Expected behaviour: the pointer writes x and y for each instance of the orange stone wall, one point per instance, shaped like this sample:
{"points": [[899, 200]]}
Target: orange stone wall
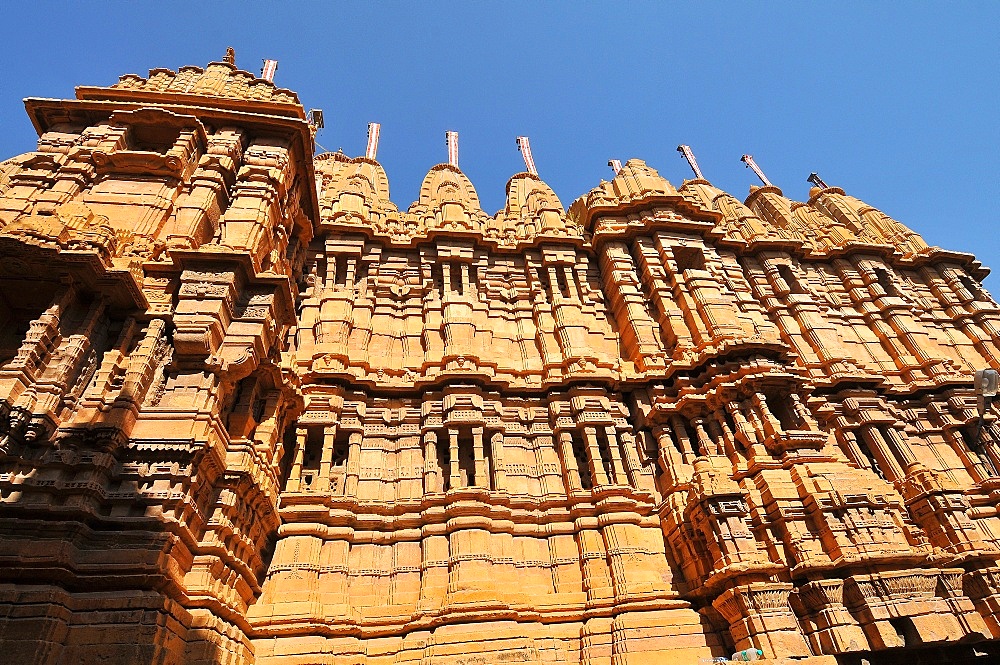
{"points": [[253, 413]]}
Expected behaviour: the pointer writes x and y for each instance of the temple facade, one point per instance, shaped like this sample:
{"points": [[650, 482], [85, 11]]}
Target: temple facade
{"points": [[253, 413]]}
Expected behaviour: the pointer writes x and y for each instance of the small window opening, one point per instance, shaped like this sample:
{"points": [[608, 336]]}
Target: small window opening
{"points": [[341, 270], [604, 446], [790, 279], [689, 258], [466, 459], [338, 462], [341, 446], [488, 454], [361, 273], [580, 453], [543, 280], [311, 455], [438, 272], [457, 284], [885, 281], [152, 138], [972, 286], [780, 407], [563, 283], [287, 454], [473, 279], [444, 462], [873, 464]]}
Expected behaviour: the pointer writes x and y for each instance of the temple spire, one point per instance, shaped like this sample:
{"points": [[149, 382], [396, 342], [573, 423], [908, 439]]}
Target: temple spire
{"points": [[752, 165], [372, 149], [451, 139], [525, 147], [685, 151]]}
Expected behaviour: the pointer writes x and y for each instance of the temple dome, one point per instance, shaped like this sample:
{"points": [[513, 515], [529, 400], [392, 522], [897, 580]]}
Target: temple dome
{"points": [[448, 199], [532, 208]]}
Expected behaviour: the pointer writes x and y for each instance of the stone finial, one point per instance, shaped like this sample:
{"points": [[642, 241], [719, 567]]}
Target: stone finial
{"points": [[230, 57]]}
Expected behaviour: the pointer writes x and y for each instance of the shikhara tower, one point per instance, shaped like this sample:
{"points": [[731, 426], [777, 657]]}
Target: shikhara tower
{"points": [[254, 413]]}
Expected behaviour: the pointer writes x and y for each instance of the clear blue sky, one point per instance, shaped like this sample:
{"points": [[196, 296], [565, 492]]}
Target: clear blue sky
{"points": [[895, 102]]}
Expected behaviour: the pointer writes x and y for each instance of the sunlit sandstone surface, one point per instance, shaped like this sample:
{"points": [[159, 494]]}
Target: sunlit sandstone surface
{"points": [[252, 412]]}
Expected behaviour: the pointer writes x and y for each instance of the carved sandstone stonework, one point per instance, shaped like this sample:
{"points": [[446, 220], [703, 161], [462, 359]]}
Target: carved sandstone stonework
{"points": [[251, 412]]}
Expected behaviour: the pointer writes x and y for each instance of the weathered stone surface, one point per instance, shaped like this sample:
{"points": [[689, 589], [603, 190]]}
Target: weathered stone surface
{"points": [[251, 412]]}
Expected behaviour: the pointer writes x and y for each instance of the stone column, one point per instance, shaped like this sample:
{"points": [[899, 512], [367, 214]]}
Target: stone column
{"points": [[633, 465], [482, 478], [901, 447], [597, 471], [326, 461], [454, 474], [668, 457], [499, 472], [849, 441], [353, 465], [431, 464], [295, 476], [878, 446], [680, 431], [570, 467], [616, 456]]}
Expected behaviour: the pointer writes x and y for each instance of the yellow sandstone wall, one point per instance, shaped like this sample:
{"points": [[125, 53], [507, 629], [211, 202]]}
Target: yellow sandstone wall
{"points": [[251, 412]]}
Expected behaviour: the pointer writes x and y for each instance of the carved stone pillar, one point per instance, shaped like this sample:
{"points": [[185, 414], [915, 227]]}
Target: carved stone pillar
{"points": [[432, 480], [621, 478], [760, 617], [499, 472], [831, 628], [571, 470], [597, 471], [454, 473], [671, 463], [326, 461], [680, 431], [353, 465], [900, 446], [481, 473], [295, 477], [879, 447]]}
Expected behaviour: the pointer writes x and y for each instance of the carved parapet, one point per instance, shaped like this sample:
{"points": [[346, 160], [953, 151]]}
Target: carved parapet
{"points": [[982, 586], [903, 608], [203, 313], [830, 628], [113, 401], [941, 509], [785, 441], [249, 336], [760, 616]]}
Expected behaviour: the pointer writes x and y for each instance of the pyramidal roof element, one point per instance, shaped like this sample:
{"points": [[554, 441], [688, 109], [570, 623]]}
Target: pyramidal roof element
{"points": [[220, 81]]}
